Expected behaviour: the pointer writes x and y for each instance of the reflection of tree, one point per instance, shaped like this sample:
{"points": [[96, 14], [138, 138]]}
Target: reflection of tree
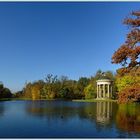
{"points": [[1, 109], [60, 109], [50, 109], [128, 117], [68, 110]]}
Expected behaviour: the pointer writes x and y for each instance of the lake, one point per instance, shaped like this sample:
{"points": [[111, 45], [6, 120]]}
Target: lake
{"points": [[66, 119]]}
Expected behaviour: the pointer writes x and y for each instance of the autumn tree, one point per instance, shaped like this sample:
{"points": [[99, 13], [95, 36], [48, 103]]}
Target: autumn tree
{"points": [[128, 55], [49, 88], [130, 94]]}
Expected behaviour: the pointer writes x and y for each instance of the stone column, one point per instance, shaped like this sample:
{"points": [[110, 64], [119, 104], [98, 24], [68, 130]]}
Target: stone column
{"points": [[111, 92], [108, 91], [97, 91], [103, 90]]}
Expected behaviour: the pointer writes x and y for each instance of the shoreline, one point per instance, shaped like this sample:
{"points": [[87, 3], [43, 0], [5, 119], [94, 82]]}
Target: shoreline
{"points": [[74, 100], [14, 99], [94, 100]]}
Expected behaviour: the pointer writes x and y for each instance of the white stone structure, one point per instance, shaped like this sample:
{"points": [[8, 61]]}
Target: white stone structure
{"points": [[104, 88]]}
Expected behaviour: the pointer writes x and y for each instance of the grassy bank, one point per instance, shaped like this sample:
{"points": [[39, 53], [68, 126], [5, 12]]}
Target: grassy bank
{"points": [[95, 100]]}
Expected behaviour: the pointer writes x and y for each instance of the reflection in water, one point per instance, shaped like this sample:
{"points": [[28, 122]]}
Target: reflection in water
{"points": [[100, 112], [2, 109], [104, 112], [73, 119], [60, 110], [128, 117], [69, 119], [48, 110]]}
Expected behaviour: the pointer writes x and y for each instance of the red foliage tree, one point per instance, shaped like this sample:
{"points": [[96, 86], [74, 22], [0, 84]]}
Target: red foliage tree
{"points": [[130, 94], [128, 55]]}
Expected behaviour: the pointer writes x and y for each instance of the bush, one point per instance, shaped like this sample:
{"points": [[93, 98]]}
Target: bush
{"points": [[129, 94]]}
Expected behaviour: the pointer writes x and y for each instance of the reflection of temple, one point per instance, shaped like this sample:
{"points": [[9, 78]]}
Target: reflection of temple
{"points": [[103, 111]]}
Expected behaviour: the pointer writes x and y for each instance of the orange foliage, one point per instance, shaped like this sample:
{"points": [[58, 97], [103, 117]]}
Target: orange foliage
{"points": [[129, 94], [127, 55]]}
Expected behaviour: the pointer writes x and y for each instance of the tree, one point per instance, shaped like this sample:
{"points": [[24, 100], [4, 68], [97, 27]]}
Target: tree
{"points": [[107, 74], [18, 94], [49, 88], [98, 74], [51, 79], [4, 92], [128, 55], [90, 92], [81, 84], [125, 81], [64, 92], [27, 90], [33, 90], [130, 94]]}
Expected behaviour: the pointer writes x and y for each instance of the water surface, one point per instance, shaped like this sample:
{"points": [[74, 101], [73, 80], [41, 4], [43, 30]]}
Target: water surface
{"points": [[66, 119]]}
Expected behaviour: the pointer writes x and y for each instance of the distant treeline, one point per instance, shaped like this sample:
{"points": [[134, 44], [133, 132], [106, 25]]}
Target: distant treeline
{"points": [[54, 87]]}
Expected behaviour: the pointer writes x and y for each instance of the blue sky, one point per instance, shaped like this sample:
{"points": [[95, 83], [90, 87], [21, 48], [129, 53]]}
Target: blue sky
{"points": [[73, 39]]}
